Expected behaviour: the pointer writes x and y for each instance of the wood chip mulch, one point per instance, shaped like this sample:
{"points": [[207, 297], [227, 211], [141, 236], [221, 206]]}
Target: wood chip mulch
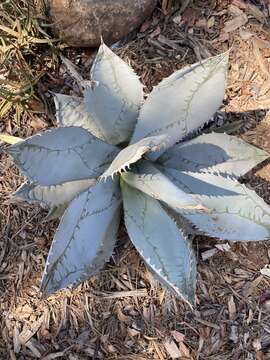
{"points": [[123, 313]]}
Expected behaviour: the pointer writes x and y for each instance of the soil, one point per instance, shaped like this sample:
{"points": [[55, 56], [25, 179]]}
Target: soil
{"points": [[123, 313]]}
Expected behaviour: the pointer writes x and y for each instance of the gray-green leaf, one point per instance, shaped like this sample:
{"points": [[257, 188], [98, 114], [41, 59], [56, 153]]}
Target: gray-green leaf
{"points": [[155, 184], [214, 153], [238, 213], [54, 195], [192, 184], [133, 153], [85, 238], [62, 155], [183, 102], [115, 100], [71, 111], [162, 245]]}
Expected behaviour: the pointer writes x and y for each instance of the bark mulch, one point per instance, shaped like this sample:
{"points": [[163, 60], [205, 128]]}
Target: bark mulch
{"points": [[123, 313]]}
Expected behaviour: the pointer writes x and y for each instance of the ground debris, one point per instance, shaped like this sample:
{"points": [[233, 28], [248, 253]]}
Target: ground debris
{"points": [[122, 313]]}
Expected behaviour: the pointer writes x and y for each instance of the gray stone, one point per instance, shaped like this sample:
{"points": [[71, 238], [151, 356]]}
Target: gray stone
{"points": [[81, 23]]}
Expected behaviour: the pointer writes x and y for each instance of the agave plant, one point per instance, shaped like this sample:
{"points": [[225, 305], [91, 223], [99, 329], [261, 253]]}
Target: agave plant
{"points": [[113, 146]]}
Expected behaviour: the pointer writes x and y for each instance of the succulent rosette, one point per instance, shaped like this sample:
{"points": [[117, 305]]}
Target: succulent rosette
{"points": [[116, 152]]}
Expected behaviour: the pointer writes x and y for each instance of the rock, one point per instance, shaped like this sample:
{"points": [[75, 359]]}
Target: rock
{"points": [[81, 23]]}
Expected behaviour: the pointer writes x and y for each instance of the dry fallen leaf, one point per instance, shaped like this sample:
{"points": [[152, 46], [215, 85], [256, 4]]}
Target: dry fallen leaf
{"points": [[172, 349], [16, 340], [38, 124], [23, 312], [264, 172], [29, 331], [257, 344], [256, 12], [265, 270], [133, 332], [209, 253], [179, 337], [211, 22], [245, 35], [177, 19], [235, 10], [184, 350], [234, 24], [223, 247], [231, 308]]}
